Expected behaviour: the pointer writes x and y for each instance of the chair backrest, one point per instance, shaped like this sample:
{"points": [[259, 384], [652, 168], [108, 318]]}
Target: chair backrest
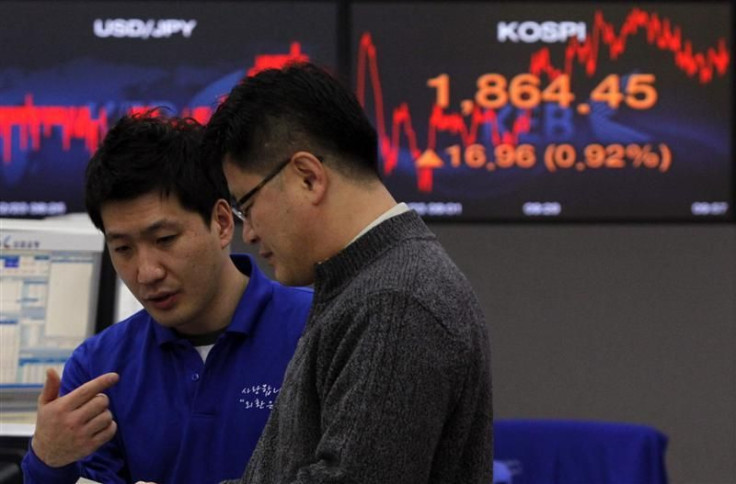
{"points": [[569, 451]]}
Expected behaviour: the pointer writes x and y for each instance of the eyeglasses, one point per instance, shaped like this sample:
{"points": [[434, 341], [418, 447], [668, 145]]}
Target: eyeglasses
{"points": [[237, 205]]}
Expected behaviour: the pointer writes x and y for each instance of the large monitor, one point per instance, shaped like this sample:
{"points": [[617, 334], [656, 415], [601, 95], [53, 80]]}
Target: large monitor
{"points": [[50, 272], [574, 111], [70, 69], [486, 111]]}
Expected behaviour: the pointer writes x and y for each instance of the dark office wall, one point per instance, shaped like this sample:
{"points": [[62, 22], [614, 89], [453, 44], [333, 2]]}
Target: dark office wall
{"points": [[616, 323]]}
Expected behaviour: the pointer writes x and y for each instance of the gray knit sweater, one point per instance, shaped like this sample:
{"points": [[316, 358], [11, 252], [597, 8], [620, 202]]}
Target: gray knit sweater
{"points": [[390, 383]]}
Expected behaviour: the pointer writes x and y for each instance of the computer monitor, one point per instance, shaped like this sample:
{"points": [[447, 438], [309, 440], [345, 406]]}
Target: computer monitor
{"points": [[50, 274], [70, 69], [551, 111]]}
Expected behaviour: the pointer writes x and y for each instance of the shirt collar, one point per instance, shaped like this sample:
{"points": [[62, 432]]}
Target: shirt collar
{"points": [[337, 271], [256, 296], [397, 209]]}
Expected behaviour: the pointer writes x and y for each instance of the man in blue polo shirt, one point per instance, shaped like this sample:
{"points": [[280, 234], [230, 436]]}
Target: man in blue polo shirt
{"points": [[180, 391]]}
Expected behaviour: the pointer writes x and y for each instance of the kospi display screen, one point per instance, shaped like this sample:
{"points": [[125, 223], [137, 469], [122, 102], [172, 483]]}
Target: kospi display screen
{"points": [[69, 70], [577, 111]]}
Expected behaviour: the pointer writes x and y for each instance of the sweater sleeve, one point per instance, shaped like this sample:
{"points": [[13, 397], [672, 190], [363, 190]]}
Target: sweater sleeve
{"points": [[104, 465], [391, 377]]}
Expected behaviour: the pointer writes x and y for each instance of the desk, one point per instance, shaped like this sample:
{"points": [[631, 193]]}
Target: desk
{"points": [[17, 424], [580, 452]]}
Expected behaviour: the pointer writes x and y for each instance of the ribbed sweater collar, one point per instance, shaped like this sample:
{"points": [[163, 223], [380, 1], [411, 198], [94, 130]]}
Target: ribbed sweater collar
{"points": [[334, 273]]}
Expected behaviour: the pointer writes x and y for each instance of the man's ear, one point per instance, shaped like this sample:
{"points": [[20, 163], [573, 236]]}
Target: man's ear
{"points": [[312, 174], [222, 222]]}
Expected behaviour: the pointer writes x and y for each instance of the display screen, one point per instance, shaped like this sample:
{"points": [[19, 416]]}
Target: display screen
{"points": [[50, 272], [508, 111], [577, 111], [69, 70]]}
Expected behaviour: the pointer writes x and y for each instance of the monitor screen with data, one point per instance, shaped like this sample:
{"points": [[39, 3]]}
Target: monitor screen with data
{"points": [[574, 111], [70, 69], [50, 272]]}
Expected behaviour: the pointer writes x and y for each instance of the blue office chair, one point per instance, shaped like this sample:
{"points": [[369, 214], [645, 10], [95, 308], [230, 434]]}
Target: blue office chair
{"points": [[580, 452]]}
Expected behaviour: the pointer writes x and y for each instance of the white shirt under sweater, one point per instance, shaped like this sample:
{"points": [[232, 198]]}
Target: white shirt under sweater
{"points": [[397, 209]]}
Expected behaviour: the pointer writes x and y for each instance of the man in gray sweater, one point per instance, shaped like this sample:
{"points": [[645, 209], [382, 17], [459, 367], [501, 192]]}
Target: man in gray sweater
{"points": [[390, 382]]}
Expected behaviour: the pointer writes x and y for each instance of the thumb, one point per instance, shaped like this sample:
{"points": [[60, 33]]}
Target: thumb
{"points": [[50, 390]]}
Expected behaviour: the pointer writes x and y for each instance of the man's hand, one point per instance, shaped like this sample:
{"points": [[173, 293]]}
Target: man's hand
{"points": [[71, 427]]}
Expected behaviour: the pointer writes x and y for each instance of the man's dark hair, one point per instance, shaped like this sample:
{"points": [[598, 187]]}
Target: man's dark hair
{"points": [[152, 152], [268, 117]]}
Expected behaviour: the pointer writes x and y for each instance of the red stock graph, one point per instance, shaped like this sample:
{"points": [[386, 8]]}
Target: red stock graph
{"points": [[661, 33], [89, 125], [70, 70], [398, 129]]}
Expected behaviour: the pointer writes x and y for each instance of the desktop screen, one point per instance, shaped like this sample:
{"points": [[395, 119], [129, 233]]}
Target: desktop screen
{"points": [[70, 69], [486, 111], [50, 271], [570, 111]]}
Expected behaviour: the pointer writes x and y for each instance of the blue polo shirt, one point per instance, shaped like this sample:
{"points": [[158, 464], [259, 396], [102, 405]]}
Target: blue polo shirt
{"points": [[180, 419]]}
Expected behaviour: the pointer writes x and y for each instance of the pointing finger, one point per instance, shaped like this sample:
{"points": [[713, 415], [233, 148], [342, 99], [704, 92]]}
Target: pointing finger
{"points": [[89, 390]]}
